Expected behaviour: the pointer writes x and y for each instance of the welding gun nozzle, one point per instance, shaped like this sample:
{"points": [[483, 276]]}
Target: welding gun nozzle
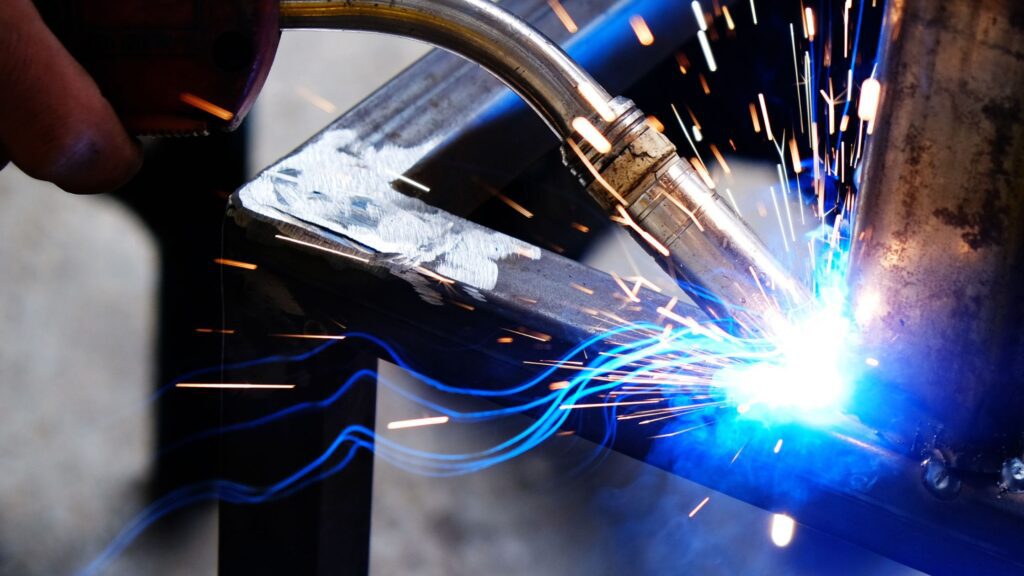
{"points": [[692, 231]]}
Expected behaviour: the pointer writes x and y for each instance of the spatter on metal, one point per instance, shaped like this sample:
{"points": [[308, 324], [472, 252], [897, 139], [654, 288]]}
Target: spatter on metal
{"points": [[338, 184]]}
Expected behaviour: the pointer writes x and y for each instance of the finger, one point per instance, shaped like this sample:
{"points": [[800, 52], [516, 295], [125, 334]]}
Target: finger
{"points": [[54, 122]]}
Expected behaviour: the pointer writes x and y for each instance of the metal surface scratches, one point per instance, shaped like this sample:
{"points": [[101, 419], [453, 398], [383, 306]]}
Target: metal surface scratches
{"points": [[338, 184]]}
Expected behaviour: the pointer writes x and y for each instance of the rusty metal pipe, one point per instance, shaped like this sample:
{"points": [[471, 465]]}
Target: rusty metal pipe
{"points": [[938, 255]]}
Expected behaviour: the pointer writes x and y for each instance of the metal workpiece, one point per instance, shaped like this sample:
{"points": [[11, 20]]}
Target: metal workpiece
{"points": [[686, 226], [938, 246], [520, 56]]}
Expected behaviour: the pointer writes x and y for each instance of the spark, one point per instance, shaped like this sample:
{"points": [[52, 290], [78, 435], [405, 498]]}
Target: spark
{"points": [[234, 385], [704, 86], [581, 227], [628, 221], [698, 12], [504, 340], [699, 506], [794, 153], [411, 182], [784, 187], [309, 336], [753, 12], [778, 446], [512, 204], [732, 200], [593, 172], [591, 134], [597, 101], [778, 213], [728, 18], [539, 336], [702, 171], [642, 31], [764, 111], [319, 247], [654, 123], [607, 404], [234, 263], [678, 204], [215, 331], [433, 275], [316, 99], [736, 456], [630, 295], [753, 118], [867, 107], [809, 23], [678, 432], [417, 422], [705, 47], [206, 106], [796, 74], [873, 362], [563, 16], [683, 62], [582, 288], [721, 161]]}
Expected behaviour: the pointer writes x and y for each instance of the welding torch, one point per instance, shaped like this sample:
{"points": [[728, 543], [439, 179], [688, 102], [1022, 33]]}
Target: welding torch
{"points": [[173, 68]]}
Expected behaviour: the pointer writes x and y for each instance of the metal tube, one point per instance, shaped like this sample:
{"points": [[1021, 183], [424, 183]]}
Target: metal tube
{"points": [[523, 58]]}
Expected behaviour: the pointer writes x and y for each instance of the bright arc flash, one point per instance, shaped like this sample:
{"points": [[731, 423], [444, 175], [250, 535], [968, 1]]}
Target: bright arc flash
{"points": [[783, 528]]}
